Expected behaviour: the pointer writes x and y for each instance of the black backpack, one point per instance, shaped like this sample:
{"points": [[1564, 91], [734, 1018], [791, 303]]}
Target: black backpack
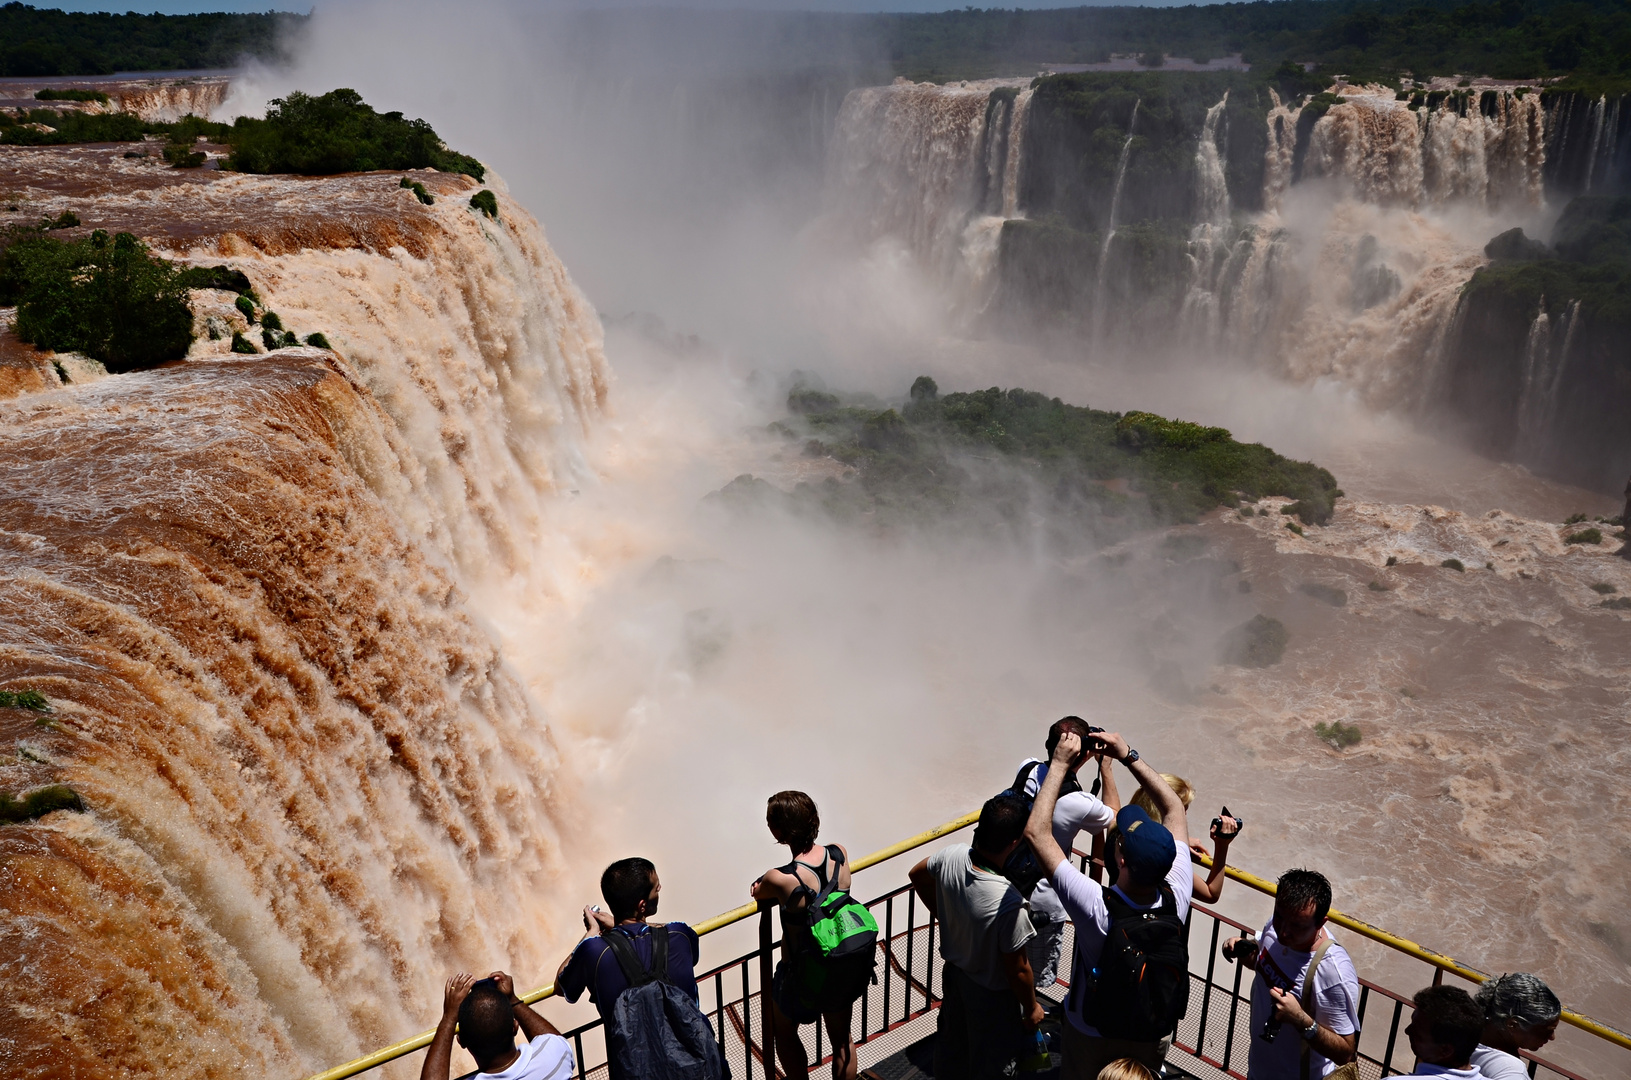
{"points": [[657, 1032], [1140, 988], [1022, 870]]}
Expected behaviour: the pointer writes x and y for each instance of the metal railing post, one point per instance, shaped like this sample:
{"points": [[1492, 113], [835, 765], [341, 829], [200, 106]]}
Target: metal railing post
{"points": [[767, 1032]]}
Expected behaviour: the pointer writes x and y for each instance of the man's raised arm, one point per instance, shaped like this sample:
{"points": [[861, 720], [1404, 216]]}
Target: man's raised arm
{"points": [[1039, 829], [1173, 815]]}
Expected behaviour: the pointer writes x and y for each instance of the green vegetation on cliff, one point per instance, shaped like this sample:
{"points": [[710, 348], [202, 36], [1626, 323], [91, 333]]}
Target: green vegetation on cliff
{"points": [[1008, 456], [337, 132], [1590, 261], [106, 298]]}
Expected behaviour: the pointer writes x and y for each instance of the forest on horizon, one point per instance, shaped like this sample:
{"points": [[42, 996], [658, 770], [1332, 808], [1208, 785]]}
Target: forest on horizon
{"points": [[1518, 39]]}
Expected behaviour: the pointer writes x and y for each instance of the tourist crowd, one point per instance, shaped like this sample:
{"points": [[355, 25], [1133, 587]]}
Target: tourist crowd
{"points": [[1002, 903]]}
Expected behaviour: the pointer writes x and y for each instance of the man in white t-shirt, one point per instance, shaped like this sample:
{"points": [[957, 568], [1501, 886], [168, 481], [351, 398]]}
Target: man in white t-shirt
{"points": [[1150, 878], [1076, 812], [1443, 1033], [1281, 959], [488, 1013], [988, 998]]}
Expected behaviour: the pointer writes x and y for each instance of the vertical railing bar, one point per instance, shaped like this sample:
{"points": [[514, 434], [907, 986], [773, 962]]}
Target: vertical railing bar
{"points": [[719, 1005], [911, 932], [747, 1017], [766, 1030], [818, 1026], [1392, 1037], [889, 956], [1206, 994], [928, 973], [577, 1044], [1234, 1012]]}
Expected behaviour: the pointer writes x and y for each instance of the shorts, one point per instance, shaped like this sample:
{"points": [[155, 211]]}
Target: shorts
{"points": [[822, 987], [1044, 951]]}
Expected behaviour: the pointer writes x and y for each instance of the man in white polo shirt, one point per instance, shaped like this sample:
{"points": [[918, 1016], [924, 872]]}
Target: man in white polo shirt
{"points": [[1146, 910]]}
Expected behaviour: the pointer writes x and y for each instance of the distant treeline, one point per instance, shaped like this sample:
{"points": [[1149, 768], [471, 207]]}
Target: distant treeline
{"points": [[1517, 39], [1520, 39], [36, 42]]}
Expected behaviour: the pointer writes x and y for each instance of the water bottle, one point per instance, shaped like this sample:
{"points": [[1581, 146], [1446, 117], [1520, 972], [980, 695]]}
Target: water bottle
{"points": [[1036, 1059]]}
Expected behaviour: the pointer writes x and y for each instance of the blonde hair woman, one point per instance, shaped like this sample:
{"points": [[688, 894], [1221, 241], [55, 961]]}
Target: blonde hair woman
{"points": [[1209, 888], [1126, 1069]]}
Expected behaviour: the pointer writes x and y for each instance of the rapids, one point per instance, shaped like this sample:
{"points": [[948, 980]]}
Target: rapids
{"points": [[313, 780]]}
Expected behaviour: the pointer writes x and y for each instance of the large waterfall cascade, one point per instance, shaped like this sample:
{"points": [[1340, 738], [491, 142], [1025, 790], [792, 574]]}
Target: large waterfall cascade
{"points": [[314, 784], [1362, 290]]}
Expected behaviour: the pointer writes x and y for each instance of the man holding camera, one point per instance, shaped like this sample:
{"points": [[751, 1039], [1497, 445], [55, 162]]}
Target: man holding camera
{"points": [[1076, 811], [1130, 975], [1290, 1020]]}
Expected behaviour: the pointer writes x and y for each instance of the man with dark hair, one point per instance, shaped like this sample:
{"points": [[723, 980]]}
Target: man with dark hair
{"points": [[1077, 811], [1444, 1032], [988, 997], [630, 888], [1326, 1018], [488, 1013], [1112, 1014]]}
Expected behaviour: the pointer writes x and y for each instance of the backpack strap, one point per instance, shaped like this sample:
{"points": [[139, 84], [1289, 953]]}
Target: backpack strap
{"points": [[634, 972], [1308, 1001], [1071, 784]]}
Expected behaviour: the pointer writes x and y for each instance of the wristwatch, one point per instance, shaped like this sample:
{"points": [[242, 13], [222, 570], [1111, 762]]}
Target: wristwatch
{"points": [[1132, 756], [1311, 1030]]}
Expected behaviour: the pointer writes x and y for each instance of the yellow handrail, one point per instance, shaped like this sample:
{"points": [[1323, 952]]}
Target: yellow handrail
{"points": [[1252, 881], [1421, 952], [707, 926]]}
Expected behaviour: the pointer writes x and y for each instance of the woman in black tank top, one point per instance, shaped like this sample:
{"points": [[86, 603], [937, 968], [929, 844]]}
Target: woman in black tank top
{"points": [[794, 821]]}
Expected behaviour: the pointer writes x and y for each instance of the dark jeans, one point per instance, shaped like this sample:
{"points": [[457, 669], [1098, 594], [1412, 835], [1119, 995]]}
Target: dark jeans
{"points": [[981, 1031]]}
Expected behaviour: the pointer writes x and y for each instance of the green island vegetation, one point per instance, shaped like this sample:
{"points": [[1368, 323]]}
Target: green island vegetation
{"points": [[1005, 460], [1454, 564], [106, 297], [1259, 642], [486, 202], [1377, 586], [1603, 588], [418, 190], [337, 132], [32, 700], [1339, 735], [37, 803], [318, 341], [43, 42], [71, 94], [1617, 603], [1584, 536], [310, 135]]}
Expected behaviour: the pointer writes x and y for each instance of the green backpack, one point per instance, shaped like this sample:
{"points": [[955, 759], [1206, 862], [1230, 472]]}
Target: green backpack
{"points": [[833, 960]]}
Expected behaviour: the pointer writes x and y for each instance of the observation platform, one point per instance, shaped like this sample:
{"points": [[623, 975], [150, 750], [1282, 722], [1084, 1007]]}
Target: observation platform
{"points": [[895, 1020]]}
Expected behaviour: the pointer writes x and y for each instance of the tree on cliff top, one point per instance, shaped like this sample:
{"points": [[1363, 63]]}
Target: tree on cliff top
{"points": [[337, 132]]}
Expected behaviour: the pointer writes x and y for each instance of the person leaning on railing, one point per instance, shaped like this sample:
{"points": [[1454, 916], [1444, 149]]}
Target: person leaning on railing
{"points": [[805, 989], [1113, 1012], [1520, 1013], [1321, 1023], [1225, 827]]}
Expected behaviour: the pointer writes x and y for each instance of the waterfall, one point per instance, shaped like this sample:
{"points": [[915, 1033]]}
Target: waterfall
{"points": [[1543, 371], [1212, 186], [314, 786], [1281, 151], [1019, 118], [1598, 110], [1110, 221]]}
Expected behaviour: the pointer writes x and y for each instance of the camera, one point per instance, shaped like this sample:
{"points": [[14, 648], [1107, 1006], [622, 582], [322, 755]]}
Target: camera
{"points": [[1217, 825], [1245, 946]]}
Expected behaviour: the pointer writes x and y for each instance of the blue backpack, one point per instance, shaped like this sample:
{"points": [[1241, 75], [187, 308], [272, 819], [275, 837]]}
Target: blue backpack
{"points": [[657, 1032]]}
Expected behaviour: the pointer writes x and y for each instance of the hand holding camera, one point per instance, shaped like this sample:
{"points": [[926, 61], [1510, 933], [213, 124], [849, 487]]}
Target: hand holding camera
{"points": [[1226, 827], [1243, 948]]}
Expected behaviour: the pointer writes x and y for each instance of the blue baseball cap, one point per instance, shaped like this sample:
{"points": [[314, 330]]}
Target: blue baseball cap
{"points": [[1146, 845]]}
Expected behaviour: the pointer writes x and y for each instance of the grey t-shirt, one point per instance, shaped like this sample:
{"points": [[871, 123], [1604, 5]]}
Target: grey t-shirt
{"points": [[982, 917]]}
